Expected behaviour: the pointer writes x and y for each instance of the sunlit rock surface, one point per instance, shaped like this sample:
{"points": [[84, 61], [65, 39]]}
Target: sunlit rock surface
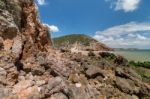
{"points": [[31, 69]]}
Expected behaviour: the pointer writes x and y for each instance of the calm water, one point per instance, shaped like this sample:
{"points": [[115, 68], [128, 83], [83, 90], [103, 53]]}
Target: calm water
{"points": [[143, 55]]}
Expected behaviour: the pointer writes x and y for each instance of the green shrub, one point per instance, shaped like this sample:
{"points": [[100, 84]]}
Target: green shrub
{"points": [[107, 55], [145, 64]]}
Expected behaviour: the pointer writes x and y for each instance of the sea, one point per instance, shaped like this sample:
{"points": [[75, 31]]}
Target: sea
{"points": [[135, 55]]}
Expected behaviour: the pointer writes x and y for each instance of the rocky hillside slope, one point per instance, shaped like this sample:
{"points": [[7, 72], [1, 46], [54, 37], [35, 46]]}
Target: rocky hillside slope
{"points": [[30, 69], [86, 42]]}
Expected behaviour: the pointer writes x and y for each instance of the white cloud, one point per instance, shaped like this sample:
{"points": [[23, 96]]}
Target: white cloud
{"points": [[41, 2], [126, 29], [129, 35], [126, 5], [141, 37], [52, 28]]}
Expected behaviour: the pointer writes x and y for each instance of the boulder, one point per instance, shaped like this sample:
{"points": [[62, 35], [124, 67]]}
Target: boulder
{"points": [[58, 96], [52, 83], [4, 92], [3, 74], [120, 60], [29, 93], [125, 85], [22, 85], [93, 72]]}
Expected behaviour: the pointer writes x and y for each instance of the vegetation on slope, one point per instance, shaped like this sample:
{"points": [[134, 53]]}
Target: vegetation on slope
{"points": [[84, 42], [145, 64], [73, 38], [142, 68]]}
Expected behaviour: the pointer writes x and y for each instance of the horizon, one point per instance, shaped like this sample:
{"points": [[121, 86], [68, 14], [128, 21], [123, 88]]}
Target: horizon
{"points": [[116, 23]]}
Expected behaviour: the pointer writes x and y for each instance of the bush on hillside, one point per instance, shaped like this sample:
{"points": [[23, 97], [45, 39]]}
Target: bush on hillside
{"points": [[145, 64], [107, 55]]}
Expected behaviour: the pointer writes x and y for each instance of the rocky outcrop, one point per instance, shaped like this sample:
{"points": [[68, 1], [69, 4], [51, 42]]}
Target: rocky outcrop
{"points": [[30, 69], [21, 32]]}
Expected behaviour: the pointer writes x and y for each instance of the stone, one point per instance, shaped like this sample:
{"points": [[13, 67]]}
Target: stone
{"points": [[58, 96], [3, 75], [4, 92], [40, 82], [134, 97], [12, 76], [8, 44], [93, 72], [38, 70], [29, 93], [124, 85], [120, 60], [52, 83], [22, 85], [30, 68], [82, 93], [17, 46], [91, 53], [126, 73]]}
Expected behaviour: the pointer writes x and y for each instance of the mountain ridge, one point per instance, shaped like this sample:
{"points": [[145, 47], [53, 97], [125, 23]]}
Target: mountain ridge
{"points": [[83, 40]]}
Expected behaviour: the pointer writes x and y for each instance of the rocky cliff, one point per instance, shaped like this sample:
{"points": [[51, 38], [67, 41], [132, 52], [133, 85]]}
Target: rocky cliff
{"points": [[20, 29], [30, 69]]}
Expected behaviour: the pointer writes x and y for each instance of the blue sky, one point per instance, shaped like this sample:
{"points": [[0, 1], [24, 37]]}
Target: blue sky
{"points": [[117, 23]]}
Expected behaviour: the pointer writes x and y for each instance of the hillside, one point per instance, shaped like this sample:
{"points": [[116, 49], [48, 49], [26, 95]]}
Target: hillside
{"points": [[31, 69], [83, 40], [73, 38]]}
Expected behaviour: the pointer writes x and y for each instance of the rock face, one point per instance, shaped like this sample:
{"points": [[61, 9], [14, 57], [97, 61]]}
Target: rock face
{"points": [[30, 69], [20, 29]]}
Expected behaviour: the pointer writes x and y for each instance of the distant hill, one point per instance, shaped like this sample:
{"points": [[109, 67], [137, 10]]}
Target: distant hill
{"points": [[78, 38]]}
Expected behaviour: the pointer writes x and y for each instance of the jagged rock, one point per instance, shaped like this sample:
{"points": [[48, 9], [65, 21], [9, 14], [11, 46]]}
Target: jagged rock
{"points": [[31, 69], [121, 61], [17, 46], [144, 91], [54, 82], [41, 58], [83, 93], [19, 25], [134, 97], [3, 74], [126, 73], [22, 85], [58, 96], [126, 85], [104, 64], [40, 82], [29, 93], [93, 72], [12, 76], [4, 92], [38, 70], [91, 53]]}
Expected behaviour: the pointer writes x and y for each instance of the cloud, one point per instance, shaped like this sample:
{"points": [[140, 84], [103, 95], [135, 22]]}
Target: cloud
{"points": [[129, 35], [41, 2], [126, 28], [52, 28], [125, 5]]}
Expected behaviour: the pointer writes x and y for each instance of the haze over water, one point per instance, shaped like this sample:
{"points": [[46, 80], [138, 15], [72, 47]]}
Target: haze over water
{"points": [[136, 55]]}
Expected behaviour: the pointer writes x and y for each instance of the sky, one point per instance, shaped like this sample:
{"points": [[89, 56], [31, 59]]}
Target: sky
{"points": [[117, 23]]}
